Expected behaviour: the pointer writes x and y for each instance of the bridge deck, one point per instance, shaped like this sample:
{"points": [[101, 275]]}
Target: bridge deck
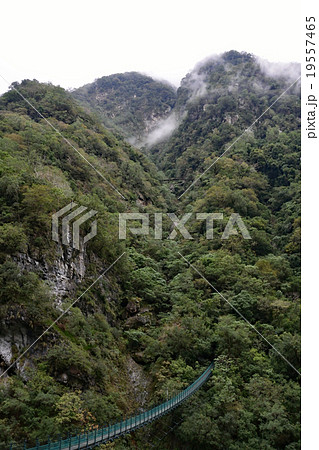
{"points": [[100, 435]]}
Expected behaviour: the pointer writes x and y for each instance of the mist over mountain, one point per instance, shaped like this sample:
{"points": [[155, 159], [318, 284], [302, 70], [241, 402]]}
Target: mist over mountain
{"points": [[130, 103], [218, 100], [147, 112], [151, 324]]}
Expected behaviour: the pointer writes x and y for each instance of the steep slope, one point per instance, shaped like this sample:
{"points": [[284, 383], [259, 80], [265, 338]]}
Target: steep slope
{"points": [[217, 101], [129, 103], [259, 178], [152, 324], [215, 104], [82, 360]]}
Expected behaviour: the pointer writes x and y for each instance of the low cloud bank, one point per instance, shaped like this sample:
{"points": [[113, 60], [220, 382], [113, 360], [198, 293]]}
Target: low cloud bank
{"points": [[196, 82], [163, 130], [198, 85], [289, 71]]}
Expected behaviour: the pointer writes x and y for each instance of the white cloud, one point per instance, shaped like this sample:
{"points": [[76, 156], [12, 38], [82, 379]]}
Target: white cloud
{"points": [[163, 130], [289, 71]]}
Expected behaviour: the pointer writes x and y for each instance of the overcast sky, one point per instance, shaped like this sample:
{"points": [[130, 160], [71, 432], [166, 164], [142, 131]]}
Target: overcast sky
{"points": [[74, 42]]}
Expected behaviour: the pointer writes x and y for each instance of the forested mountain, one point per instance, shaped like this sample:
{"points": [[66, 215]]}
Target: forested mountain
{"points": [[152, 324], [217, 101], [129, 103]]}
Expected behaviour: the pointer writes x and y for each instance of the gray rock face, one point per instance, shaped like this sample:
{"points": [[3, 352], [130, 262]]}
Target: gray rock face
{"points": [[5, 350], [13, 341], [62, 275], [141, 319], [139, 383], [133, 306]]}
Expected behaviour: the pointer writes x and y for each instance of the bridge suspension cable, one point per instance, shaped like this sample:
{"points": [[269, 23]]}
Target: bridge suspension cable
{"points": [[99, 435]]}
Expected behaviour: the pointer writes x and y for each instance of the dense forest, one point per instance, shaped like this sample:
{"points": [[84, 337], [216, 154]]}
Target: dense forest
{"points": [[152, 324], [130, 104]]}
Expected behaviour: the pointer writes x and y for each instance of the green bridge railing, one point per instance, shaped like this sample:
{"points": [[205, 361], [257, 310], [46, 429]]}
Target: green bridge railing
{"points": [[99, 435]]}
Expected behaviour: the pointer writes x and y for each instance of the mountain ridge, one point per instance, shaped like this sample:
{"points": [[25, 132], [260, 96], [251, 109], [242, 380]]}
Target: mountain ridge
{"points": [[129, 103], [158, 124], [151, 325]]}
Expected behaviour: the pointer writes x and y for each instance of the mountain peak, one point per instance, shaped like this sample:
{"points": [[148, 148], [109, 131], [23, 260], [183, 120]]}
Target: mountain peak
{"points": [[130, 103]]}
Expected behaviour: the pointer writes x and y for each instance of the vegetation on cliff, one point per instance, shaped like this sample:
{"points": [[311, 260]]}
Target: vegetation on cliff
{"points": [[151, 306]]}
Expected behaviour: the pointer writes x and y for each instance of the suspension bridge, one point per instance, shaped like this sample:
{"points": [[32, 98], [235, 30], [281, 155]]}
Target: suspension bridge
{"points": [[102, 434]]}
